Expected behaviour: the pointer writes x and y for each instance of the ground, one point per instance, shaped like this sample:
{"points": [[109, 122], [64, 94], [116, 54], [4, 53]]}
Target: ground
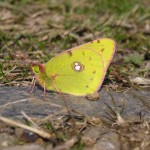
{"points": [[35, 31]]}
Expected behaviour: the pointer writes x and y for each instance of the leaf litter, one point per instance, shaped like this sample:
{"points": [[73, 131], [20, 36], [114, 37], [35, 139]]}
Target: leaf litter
{"points": [[33, 30]]}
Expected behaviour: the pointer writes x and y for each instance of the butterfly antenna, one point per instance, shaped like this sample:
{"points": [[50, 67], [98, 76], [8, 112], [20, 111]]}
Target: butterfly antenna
{"points": [[44, 89]]}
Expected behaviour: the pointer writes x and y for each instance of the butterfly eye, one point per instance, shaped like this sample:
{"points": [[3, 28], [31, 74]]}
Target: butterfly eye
{"points": [[35, 69], [77, 66]]}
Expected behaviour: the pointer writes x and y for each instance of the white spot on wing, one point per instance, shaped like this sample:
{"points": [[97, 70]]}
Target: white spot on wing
{"points": [[77, 66]]}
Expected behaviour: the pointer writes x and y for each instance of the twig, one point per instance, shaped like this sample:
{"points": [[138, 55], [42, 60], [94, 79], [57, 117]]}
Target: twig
{"points": [[37, 131]]}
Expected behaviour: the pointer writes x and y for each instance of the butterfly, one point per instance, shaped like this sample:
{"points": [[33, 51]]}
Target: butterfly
{"points": [[79, 70]]}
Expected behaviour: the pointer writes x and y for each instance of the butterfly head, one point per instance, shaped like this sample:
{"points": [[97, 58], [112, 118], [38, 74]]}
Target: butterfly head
{"points": [[40, 75], [38, 68]]}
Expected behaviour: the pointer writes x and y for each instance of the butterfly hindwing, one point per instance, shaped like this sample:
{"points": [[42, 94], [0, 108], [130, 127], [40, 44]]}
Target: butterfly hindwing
{"points": [[76, 72]]}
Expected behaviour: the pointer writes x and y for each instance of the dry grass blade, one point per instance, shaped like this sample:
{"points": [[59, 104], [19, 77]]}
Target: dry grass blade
{"points": [[140, 81], [12, 7], [29, 119], [8, 72], [39, 132], [115, 116], [10, 103], [67, 145], [143, 99]]}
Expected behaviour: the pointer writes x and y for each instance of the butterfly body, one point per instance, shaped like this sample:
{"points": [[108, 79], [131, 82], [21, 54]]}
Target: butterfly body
{"points": [[78, 71]]}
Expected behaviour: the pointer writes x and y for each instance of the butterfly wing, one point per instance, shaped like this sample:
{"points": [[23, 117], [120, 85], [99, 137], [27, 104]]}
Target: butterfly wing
{"points": [[78, 71], [105, 47]]}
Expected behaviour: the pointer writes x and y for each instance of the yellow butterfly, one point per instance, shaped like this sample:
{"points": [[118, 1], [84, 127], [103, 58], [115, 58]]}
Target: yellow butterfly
{"points": [[77, 71]]}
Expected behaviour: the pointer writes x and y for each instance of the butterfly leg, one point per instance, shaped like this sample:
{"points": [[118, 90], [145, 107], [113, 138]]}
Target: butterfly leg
{"points": [[44, 90], [32, 85]]}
